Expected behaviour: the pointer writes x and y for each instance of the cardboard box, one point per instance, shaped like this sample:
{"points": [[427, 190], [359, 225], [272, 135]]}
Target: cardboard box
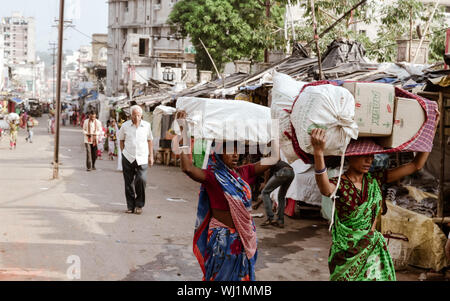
{"points": [[409, 117], [374, 112]]}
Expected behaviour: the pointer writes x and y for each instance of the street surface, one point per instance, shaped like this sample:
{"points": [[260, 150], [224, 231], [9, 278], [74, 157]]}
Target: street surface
{"points": [[44, 222]]}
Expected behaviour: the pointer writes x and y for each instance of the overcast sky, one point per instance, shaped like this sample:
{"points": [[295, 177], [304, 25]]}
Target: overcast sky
{"points": [[90, 16]]}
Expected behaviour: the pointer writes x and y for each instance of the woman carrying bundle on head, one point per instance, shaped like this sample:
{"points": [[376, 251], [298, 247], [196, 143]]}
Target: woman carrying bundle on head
{"points": [[225, 234], [358, 251]]}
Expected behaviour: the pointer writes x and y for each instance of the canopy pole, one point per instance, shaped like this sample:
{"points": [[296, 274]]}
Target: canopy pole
{"points": [[425, 32], [316, 38]]}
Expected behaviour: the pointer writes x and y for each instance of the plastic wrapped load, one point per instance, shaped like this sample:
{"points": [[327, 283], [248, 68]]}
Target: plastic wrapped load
{"points": [[329, 107], [12, 117], [227, 120]]}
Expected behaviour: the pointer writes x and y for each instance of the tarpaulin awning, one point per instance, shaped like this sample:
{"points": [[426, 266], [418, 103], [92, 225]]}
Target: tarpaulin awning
{"points": [[17, 100]]}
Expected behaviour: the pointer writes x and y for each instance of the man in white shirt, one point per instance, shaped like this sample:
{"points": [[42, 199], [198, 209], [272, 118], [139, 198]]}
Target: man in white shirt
{"points": [[91, 130], [136, 144]]}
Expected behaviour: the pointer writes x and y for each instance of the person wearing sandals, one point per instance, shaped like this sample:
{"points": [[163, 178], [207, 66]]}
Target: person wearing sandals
{"points": [[136, 144], [280, 175]]}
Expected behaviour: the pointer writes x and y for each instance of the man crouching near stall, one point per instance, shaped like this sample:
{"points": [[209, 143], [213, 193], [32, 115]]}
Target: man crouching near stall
{"points": [[358, 251], [225, 235]]}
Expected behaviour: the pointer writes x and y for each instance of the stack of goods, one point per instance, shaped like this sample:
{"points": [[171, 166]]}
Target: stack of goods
{"points": [[360, 118]]}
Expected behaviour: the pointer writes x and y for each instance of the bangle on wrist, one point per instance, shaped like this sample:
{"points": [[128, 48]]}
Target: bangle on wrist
{"points": [[322, 171]]}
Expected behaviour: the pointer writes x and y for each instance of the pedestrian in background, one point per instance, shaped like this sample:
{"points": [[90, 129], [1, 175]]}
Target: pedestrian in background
{"points": [[136, 144], [280, 175], [101, 143], [30, 126], [112, 139], [13, 135], [91, 131]]}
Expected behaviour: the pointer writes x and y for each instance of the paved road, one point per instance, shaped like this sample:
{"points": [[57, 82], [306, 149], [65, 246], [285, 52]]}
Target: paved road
{"points": [[44, 222]]}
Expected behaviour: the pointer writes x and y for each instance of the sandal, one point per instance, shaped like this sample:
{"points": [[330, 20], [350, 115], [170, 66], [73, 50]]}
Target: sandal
{"points": [[138, 210], [267, 222], [129, 211], [278, 224]]}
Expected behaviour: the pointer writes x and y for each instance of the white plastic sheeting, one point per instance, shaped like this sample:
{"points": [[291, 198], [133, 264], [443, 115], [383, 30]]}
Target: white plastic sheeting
{"points": [[158, 112], [228, 120]]}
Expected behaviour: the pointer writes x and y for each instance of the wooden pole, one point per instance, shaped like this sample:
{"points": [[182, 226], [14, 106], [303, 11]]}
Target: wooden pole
{"points": [[58, 88], [440, 205], [266, 51], [425, 32], [212, 61], [316, 38], [337, 21], [410, 34]]}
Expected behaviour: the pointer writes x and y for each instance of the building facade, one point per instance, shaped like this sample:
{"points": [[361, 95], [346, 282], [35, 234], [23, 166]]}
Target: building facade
{"points": [[142, 46], [19, 39]]}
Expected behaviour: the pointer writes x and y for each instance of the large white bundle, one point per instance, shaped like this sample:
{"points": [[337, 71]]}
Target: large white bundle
{"points": [[329, 107], [12, 117], [285, 90], [231, 120]]}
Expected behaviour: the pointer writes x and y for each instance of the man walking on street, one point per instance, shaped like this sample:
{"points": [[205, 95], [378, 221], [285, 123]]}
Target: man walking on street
{"points": [[91, 130], [281, 175], [136, 144]]}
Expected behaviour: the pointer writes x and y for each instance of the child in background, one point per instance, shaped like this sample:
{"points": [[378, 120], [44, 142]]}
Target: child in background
{"points": [[101, 144]]}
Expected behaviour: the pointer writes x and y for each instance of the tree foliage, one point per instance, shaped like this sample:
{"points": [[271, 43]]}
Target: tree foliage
{"points": [[230, 29], [394, 23]]}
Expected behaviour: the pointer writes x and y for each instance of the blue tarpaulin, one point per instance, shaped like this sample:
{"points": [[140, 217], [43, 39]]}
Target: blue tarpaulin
{"points": [[250, 88], [17, 100]]}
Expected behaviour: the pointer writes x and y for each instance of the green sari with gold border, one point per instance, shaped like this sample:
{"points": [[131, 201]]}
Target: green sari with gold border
{"points": [[358, 253]]}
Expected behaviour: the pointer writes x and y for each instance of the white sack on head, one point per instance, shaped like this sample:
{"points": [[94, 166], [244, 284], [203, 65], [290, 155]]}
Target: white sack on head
{"points": [[329, 107], [223, 119], [285, 90]]}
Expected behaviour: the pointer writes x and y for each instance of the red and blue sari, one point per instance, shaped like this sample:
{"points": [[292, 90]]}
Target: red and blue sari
{"points": [[226, 254]]}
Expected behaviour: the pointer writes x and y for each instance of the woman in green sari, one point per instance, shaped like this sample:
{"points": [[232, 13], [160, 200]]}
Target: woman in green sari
{"points": [[358, 252]]}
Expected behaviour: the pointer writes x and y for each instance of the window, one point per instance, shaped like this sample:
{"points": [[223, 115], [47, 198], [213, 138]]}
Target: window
{"points": [[143, 47], [364, 32], [447, 9], [126, 6]]}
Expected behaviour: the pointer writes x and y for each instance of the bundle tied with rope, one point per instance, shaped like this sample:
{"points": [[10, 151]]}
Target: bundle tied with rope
{"points": [[326, 105]]}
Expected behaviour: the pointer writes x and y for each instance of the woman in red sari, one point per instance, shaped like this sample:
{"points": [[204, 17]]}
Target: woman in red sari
{"points": [[225, 234]]}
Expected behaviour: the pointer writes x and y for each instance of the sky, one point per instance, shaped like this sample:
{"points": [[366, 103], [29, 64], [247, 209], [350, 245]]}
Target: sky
{"points": [[89, 16]]}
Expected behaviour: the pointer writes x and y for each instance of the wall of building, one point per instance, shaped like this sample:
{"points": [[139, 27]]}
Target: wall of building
{"points": [[138, 35], [19, 38]]}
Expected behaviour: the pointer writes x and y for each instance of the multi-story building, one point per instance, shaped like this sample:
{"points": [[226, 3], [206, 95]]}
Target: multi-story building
{"points": [[2, 63], [142, 46], [19, 38]]}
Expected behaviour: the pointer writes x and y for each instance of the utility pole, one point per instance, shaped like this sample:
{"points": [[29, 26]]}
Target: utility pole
{"points": [[58, 88], [53, 49]]}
